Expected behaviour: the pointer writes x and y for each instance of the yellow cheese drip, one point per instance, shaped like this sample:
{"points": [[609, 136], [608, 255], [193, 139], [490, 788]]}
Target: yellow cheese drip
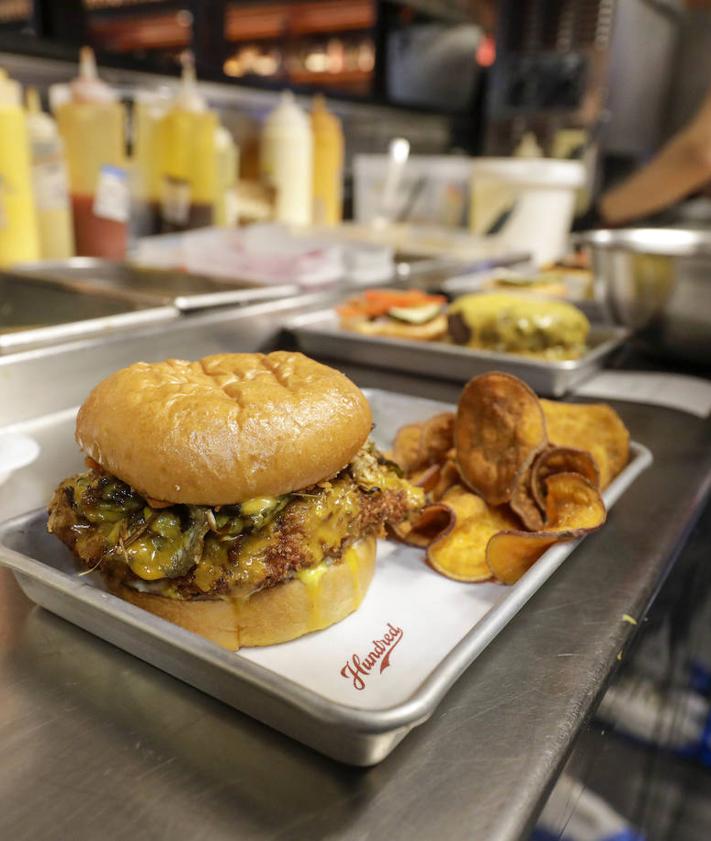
{"points": [[311, 579], [350, 557]]}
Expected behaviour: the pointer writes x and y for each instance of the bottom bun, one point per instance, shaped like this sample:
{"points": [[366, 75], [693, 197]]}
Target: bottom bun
{"points": [[317, 599]]}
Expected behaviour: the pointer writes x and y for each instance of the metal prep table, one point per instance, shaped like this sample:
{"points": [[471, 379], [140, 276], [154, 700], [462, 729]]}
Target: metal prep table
{"points": [[96, 744]]}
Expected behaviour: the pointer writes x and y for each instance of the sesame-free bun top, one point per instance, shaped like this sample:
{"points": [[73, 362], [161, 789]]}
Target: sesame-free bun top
{"points": [[224, 429]]}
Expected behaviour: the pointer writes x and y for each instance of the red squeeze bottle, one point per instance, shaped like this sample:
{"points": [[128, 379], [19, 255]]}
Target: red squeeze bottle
{"points": [[92, 124]]}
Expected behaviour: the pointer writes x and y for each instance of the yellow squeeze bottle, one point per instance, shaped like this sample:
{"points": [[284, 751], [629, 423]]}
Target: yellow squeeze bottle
{"points": [[18, 226], [327, 165], [149, 109], [92, 124], [49, 182], [189, 158], [227, 159]]}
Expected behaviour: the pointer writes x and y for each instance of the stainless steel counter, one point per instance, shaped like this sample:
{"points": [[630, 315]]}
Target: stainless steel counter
{"points": [[99, 745]]}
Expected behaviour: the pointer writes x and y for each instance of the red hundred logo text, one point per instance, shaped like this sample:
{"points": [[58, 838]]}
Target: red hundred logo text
{"points": [[358, 669]]}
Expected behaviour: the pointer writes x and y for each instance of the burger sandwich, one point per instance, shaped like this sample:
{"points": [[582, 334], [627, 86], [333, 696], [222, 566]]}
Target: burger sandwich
{"points": [[396, 314], [237, 496], [521, 324]]}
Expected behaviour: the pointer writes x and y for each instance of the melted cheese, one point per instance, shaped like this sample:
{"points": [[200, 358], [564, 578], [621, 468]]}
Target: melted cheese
{"points": [[350, 557], [257, 505], [311, 579]]}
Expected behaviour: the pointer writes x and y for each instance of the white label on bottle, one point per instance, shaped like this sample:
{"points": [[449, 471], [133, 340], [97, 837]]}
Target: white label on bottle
{"points": [[112, 199], [175, 202], [49, 180]]}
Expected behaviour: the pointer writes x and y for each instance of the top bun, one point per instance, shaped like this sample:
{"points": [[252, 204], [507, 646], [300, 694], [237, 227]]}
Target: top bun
{"points": [[224, 429]]}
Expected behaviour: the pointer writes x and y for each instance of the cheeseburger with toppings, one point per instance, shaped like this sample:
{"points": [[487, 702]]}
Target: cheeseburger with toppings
{"points": [[237, 496]]}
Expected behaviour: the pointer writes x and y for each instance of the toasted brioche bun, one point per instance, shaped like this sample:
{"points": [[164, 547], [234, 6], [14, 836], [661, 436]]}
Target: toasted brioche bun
{"points": [[224, 429], [430, 331], [284, 612]]}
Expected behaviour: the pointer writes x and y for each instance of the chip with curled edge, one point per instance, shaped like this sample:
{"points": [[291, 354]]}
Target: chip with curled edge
{"points": [[523, 475], [498, 431], [459, 551], [593, 427], [574, 508]]}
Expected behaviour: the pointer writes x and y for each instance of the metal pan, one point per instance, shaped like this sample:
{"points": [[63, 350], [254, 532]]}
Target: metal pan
{"points": [[34, 313], [320, 334], [153, 286], [359, 730]]}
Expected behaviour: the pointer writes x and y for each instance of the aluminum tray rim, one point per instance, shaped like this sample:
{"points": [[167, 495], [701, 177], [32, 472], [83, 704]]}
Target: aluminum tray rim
{"points": [[408, 714], [234, 292], [87, 328], [616, 336]]}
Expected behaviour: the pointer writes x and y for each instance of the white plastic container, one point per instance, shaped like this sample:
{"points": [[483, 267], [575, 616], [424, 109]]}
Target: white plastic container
{"points": [[286, 161], [526, 204]]}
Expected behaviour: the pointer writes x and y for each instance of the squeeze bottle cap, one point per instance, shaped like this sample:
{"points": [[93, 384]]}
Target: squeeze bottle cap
{"points": [[287, 112], [88, 87], [189, 97], [42, 127], [321, 117]]}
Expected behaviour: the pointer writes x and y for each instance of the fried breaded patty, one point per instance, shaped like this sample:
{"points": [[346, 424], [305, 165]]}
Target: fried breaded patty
{"points": [[188, 551]]}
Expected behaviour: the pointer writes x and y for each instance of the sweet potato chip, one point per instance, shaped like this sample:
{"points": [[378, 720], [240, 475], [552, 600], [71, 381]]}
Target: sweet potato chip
{"points": [[420, 445], [448, 476], [436, 438], [460, 551], [560, 460], [498, 430], [524, 503], [573, 508], [406, 447], [573, 503], [595, 427], [429, 524], [427, 478], [511, 553]]}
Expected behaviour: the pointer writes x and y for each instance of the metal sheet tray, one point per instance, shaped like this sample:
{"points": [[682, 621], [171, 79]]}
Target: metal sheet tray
{"points": [[351, 726], [153, 286], [320, 334], [35, 313]]}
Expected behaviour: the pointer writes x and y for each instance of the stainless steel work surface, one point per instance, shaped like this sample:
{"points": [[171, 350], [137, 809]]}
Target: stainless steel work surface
{"points": [[299, 687], [155, 286], [320, 334], [98, 744], [35, 313]]}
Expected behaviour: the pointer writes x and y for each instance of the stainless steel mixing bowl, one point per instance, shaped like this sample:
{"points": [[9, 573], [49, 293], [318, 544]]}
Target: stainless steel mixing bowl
{"points": [[658, 282]]}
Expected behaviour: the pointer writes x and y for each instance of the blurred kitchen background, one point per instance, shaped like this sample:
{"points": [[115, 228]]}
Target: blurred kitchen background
{"points": [[604, 81]]}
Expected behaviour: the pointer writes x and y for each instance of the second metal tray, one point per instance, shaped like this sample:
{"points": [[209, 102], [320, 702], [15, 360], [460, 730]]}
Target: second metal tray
{"points": [[434, 627], [36, 313], [153, 286], [320, 334]]}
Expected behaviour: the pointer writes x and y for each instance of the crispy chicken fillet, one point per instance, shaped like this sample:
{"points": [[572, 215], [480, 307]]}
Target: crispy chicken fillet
{"points": [[199, 552]]}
